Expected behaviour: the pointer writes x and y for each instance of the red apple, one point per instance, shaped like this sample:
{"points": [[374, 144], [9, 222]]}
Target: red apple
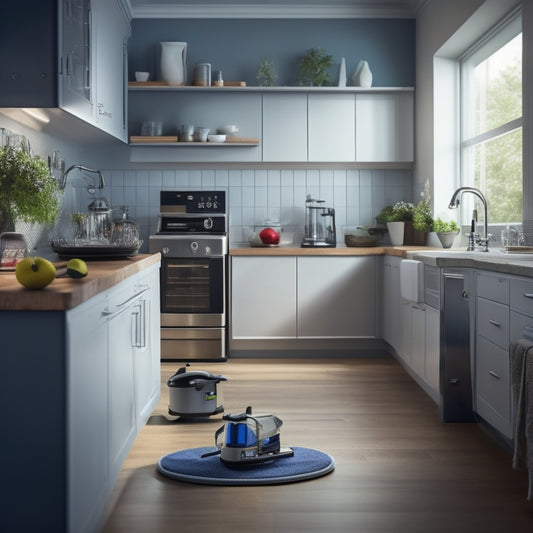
{"points": [[269, 236]]}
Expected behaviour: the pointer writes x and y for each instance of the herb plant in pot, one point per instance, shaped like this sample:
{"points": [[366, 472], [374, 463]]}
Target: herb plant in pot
{"points": [[446, 232], [395, 217], [422, 218], [314, 66], [28, 191]]}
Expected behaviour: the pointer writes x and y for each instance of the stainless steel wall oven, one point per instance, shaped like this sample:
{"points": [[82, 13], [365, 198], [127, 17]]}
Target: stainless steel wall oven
{"points": [[192, 239]]}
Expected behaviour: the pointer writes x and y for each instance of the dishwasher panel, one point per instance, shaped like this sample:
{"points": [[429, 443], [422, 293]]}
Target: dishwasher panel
{"points": [[455, 364]]}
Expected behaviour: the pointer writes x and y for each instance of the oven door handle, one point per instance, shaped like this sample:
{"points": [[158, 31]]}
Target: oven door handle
{"points": [[123, 305]]}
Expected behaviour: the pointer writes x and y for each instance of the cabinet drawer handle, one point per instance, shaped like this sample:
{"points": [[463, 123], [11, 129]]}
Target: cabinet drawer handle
{"points": [[528, 294], [123, 305], [494, 375], [494, 323]]}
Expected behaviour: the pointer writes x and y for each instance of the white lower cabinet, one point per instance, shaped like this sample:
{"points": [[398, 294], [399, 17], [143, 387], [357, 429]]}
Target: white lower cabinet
{"points": [[392, 302], [432, 348], [303, 297], [418, 340], [492, 378], [113, 386], [420, 346], [88, 407], [263, 297], [336, 297]]}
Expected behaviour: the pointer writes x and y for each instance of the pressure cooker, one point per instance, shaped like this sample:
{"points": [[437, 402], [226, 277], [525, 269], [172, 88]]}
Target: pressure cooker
{"points": [[194, 393]]}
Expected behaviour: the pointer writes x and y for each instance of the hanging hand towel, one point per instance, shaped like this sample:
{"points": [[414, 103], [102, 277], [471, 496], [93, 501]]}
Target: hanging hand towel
{"points": [[521, 362]]}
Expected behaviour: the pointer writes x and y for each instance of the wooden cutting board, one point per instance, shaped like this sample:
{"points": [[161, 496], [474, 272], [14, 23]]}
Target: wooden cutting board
{"points": [[154, 139], [231, 139]]}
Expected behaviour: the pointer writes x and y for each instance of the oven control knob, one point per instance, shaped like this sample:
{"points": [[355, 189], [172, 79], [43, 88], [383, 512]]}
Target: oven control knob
{"points": [[194, 246], [208, 223], [165, 250]]}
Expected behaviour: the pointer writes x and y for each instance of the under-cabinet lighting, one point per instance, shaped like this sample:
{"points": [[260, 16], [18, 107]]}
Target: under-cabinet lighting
{"points": [[37, 114]]}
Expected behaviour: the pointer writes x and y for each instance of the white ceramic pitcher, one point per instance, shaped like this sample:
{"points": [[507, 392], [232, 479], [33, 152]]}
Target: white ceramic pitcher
{"points": [[174, 62]]}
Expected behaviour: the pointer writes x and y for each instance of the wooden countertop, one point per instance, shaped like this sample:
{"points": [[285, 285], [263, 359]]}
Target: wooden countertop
{"points": [[399, 251], [64, 292]]}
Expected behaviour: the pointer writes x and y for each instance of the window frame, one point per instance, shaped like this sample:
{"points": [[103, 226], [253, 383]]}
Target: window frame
{"points": [[492, 41]]}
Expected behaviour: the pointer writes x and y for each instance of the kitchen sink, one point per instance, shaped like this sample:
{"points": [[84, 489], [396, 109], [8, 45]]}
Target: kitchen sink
{"points": [[497, 255]]}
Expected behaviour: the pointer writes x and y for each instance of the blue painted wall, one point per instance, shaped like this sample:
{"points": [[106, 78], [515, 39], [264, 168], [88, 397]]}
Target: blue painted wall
{"points": [[237, 46]]}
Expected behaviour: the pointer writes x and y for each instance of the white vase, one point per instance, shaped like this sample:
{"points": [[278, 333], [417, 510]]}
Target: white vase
{"points": [[396, 232], [362, 76], [174, 62], [342, 73], [446, 238]]}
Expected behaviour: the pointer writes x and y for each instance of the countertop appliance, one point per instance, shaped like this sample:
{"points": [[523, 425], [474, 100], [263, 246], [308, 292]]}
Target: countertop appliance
{"points": [[320, 228], [192, 239], [194, 393]]}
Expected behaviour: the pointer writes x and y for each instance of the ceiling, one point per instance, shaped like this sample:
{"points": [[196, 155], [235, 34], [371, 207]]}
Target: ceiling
{"points": [[275, 8]]}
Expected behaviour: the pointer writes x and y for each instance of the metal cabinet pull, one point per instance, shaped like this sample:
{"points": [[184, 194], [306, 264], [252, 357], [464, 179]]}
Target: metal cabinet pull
{"points": [[494, 323], [528, 294], [494, 375], [123, 305]]}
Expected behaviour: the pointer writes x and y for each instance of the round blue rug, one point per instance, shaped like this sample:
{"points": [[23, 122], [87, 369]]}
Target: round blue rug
{"points": [[188, 465]]}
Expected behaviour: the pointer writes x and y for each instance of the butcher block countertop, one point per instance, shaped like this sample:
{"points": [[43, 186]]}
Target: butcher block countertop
{"points": [[399, 251], [64, 292]]}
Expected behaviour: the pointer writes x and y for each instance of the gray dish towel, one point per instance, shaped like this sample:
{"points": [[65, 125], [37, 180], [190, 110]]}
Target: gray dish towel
{"points": [[521, 361]]}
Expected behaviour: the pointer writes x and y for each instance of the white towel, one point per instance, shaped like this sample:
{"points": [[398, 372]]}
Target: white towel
{"points": [[412, 280], [521, 362]]}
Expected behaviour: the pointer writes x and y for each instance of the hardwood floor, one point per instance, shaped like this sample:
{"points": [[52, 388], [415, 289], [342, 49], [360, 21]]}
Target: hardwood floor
{"points": [[397, 467]]}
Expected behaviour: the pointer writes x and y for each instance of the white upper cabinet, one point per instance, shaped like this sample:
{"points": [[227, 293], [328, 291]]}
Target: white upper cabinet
{"points": [[384, 127], [285, 127], [69, 54], [287, 124], [331, 127], [111, 30], [76, 61]]}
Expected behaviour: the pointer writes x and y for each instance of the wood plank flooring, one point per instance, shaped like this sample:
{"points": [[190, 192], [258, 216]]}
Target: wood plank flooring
{"points": [[398, 468]]}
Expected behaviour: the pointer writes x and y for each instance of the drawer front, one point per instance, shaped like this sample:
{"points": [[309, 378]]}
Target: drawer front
{"points": [[493, 389], [493, 287], [492, 322], [522, 295], [518, 323]]}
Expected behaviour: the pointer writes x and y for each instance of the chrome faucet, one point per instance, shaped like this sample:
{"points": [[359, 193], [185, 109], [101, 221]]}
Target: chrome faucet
{"points": [[472, 237], [63, 181]]}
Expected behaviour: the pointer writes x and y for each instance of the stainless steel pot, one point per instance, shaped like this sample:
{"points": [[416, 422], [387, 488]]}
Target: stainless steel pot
{"points": [[194, 393]]}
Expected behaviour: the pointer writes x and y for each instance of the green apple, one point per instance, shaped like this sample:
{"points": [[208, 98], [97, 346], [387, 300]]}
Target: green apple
{"points": [[35, 272], [76, 268]]}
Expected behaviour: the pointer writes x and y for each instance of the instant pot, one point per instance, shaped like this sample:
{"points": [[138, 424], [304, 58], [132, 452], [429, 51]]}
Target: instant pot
{"points": [[194, 393]]}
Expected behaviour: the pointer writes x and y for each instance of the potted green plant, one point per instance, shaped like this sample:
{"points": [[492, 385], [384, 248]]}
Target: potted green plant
{"points": [[28, 191], [313, 67], [446, 231], [266, 75], [422, 217], [396, 217]]}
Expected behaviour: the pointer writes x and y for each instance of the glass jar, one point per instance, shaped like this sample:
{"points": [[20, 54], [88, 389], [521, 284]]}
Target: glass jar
{"points": [[124, 230]]}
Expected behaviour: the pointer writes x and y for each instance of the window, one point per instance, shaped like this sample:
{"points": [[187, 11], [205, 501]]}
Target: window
{"points": [[491, 120]]}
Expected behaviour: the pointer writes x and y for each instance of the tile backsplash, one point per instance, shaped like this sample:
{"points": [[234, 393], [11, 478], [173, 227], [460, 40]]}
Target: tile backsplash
{"points": [[255, 195]]}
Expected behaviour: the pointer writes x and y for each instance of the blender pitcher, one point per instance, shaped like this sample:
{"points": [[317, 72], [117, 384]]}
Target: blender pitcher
{"points": [[319, 225]]}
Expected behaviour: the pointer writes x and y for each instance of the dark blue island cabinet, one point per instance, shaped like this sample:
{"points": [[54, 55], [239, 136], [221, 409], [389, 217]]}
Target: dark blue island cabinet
{"points": [[79, 384]]}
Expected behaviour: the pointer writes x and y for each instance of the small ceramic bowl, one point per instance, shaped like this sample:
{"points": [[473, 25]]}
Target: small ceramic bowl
{"points": [[216, 138], [228, 130], [142, 76]]}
